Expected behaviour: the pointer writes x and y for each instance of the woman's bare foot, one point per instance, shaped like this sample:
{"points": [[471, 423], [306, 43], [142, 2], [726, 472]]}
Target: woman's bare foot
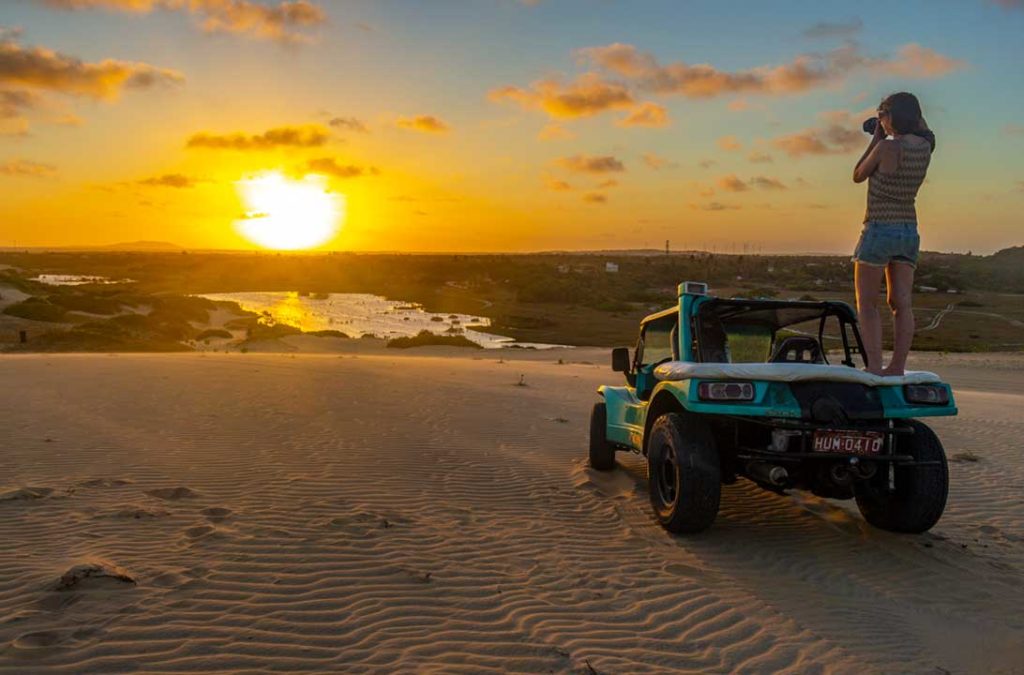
{"points": [[892, 372], [874, 370]]}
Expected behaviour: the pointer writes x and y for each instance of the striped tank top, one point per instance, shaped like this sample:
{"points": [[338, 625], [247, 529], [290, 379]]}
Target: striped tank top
{"points": [[891, 195]]}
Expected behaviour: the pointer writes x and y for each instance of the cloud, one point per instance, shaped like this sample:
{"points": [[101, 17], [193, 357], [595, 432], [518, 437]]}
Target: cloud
{"points": [[840, 134], [714, 206], [556, 185], [172, 180], [307, 136], [758, 157], [731, 183], [281, 22], [588, 164], [41, 68], [767, 183], [588, 95], [595, 198], [330, 167], [555, 132], [803, 73], [729, 143], [646, 115], [738, 105], [349, 124], [658, 163], [26, 168], [610, 183], [825, 29], [706, 163], [1010, 4], [1014, 129], [13, 102], [424, 123]]}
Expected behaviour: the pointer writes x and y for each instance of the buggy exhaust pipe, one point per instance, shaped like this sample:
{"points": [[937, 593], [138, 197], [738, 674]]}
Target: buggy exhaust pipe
{"points": [[772, 474]]}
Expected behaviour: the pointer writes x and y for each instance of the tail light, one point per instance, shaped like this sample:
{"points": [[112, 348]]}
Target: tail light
{"points": [[725, 391], [929, 394]]}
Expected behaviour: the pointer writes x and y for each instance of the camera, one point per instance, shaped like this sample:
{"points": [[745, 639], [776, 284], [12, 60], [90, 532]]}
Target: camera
{"points": [[870, 124]]}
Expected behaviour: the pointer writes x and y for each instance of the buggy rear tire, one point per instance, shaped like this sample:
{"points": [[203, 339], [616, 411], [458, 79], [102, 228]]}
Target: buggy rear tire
{"points": [[684, 475], [918, 497], [602, 453]]}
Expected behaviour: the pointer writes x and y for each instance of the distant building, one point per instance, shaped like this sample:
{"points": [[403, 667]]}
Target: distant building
{"points": [[611, 267]]}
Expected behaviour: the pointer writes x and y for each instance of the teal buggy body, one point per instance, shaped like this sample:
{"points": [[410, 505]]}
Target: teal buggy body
{"points": [[718, 389]]}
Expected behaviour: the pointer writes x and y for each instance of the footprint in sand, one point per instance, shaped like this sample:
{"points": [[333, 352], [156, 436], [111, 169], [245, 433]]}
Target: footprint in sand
{"points": [[217, 513], [173, 494], [94, 575], [105, 482], [25, 494], [134, 512], [38, 639]]}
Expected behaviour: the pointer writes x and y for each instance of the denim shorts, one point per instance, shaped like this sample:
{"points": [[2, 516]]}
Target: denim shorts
{"points": [[882, 243]]}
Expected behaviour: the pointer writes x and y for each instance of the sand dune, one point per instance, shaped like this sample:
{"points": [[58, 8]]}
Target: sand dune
{"points": [[386, 513]]}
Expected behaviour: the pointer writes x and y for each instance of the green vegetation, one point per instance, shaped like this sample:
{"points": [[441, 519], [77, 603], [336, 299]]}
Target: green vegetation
{"points": [[549, 298], [427, 339], [328, 333], [36, 309], [214, 333]]}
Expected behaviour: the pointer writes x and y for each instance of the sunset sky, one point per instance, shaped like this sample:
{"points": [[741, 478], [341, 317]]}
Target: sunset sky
{"points": [[502, 125]]}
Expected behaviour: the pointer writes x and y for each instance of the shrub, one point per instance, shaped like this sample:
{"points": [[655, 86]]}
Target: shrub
{"points": [[425, 338], [328, 333], [36, 309]]}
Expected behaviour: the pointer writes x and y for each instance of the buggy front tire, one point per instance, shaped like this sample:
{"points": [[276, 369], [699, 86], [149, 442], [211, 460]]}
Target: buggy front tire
{"points": [[602, 453], [684, 477], [917, 497]]}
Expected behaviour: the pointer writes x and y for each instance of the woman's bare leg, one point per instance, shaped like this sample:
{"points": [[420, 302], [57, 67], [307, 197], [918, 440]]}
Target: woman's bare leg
{"points": [[899, 277], [868, 280]]}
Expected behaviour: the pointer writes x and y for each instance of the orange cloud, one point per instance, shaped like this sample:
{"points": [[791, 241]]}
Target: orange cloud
{"points": [[595, 198], [41, 68], [425, 123], [657, 163], [349, 124], [557, 185], [767, 183], [555, 132], [646, 115], [586, 164], [587, 96], [731, 183], [714, 206], [729, 143], [803, 73], [282, 22], [172, 180], [26, 168], [307, 136], [758, 157], [330, 167], [610, 183], [840, 135]]}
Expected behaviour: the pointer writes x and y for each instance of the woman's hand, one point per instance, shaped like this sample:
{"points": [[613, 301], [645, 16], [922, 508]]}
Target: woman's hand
{"points": [[879, 132]]}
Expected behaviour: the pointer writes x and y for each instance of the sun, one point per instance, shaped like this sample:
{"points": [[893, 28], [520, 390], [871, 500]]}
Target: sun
{"points": [[289, 214]]}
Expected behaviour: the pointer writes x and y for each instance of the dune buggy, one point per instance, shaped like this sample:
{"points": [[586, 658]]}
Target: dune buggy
{"points": [[721, 388]]}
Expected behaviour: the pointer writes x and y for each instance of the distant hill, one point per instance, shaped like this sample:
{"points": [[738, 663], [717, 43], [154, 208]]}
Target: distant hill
{"points": [[149, 246], [1009, 256]]}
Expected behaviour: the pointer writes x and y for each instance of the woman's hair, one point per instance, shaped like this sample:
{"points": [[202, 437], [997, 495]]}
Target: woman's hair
{"points": [[904, 112]]}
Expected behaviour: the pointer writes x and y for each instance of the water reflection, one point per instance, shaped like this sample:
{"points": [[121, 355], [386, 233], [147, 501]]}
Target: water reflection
{"points": [[358, 314]]}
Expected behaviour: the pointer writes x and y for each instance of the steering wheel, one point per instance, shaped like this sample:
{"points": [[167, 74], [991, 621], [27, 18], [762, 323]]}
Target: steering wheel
{"points": [[798, 349]]}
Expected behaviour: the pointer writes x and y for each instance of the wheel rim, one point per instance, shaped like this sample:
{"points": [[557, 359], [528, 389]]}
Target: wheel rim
{"points": [[666, 475]]}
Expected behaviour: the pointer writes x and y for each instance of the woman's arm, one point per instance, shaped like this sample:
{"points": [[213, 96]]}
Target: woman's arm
{"points": [[871, 158]]}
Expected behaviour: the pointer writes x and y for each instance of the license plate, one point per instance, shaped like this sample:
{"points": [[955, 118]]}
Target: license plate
{"points": [[852, 442]]}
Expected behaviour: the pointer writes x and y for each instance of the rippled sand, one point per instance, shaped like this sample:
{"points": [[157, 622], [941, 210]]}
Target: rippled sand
{"points": [[400, 513]]}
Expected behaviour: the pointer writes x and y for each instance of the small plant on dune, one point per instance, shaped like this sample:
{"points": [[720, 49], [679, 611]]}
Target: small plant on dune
{"points": [[425, 338]]}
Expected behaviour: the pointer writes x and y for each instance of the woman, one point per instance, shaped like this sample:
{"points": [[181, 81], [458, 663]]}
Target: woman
{"points": [[889, 243]]}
